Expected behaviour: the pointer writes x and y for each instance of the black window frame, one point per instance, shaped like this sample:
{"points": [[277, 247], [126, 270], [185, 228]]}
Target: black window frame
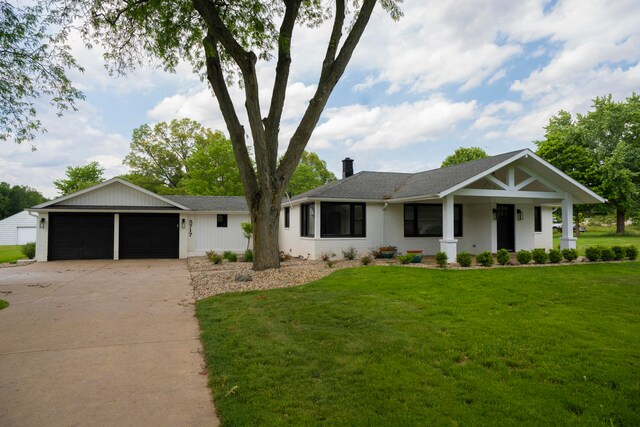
{"points": [[287, 217], [458, 225], [304, 219], [222, 221], [324, 210], [537, 219]]}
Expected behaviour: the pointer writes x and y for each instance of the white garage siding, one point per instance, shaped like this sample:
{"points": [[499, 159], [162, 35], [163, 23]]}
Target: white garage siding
{"points": [[18, 229], [203, 233]]}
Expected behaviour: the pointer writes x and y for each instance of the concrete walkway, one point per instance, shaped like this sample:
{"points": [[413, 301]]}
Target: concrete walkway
{"points": [[101, 343]]}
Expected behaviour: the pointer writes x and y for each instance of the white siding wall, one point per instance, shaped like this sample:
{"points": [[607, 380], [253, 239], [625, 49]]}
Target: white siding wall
{"points": [[206, 235], [115, 194], [9, 227], [290, 240], [544, 239], [478, 228], [524, 227]]}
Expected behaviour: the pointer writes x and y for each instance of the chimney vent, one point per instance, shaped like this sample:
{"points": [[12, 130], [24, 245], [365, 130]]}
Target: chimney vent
{"points": [[347, 167]]}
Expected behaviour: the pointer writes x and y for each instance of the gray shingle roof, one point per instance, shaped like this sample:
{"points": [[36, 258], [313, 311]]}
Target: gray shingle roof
{"points": [[388, 185], [212, 203]]}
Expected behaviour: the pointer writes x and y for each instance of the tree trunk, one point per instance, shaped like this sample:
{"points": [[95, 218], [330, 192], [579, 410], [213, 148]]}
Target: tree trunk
{"points": [[265, 216], [620, 217]]}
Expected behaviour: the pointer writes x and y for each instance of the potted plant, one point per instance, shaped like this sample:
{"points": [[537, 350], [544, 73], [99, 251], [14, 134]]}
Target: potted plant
{"points": [[388, 251], [417, 255]]}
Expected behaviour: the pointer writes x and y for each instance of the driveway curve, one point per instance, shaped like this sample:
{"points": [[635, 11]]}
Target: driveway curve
{"points": [[101, 343]]}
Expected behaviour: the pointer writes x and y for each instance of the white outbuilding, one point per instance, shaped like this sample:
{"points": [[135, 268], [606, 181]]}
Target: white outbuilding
{"points": [[18, 229]]}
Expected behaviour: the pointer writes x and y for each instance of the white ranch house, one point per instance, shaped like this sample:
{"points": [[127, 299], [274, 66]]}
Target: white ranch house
{"points": [[504, 201]]}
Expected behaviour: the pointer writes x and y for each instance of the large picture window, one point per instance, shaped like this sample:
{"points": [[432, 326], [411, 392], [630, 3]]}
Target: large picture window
{"points": [[421, 220], [307, 220], [342, 219]]}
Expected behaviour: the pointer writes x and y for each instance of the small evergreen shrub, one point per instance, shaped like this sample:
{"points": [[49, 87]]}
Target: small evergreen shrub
{"points": [[593, 253], [350, 253], [485, 259], [230, 256], [607, 254], [214, 257], [405, 259], [365, 259], [632, 252], [539, 256], [555, 256], [524, 256], [570, 254], [29, 250], [441, 259], [326, 255], [464, 259], [619, 252], [248, 256], [503, 256]]}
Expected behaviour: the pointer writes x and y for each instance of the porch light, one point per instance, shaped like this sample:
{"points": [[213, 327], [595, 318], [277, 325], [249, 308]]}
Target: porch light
{"points": [[42, 220], [184, 223], [519, 215], [495, 214]]}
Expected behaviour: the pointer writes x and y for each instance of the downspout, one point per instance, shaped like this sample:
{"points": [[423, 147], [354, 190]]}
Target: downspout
{"points": [[384, 208]]}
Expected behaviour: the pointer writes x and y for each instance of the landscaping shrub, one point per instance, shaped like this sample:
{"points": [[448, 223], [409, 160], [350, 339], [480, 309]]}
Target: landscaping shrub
{"points": [[441, 259], [607, 254], [539, 256], [230, 256], [555, 256], [632, 252], [350, 253], [619, 252], [214, 257], [593, 253], [523, 256], [485, 259], [365, 259], [503, 256], [405, 259], [570, 254], [464, 259], [326, 255], [29, 250], [248, 256]]}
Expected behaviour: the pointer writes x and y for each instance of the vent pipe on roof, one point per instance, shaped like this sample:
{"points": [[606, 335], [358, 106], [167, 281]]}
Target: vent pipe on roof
{"points": [[347, 167]]}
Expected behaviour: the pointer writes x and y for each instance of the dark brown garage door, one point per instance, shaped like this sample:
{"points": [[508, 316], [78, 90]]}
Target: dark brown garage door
{"points": [[80, 236], [149, 236]]}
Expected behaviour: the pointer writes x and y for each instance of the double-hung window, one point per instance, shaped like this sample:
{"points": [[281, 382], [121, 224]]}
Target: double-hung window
{"points": [[425, 220]]}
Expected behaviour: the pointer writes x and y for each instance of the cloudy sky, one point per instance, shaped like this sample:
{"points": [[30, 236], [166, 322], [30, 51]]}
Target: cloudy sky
{"points": [[448, 74]]}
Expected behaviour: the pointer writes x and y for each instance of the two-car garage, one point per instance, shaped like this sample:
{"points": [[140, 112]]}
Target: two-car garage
{"points": [[74, 235]]}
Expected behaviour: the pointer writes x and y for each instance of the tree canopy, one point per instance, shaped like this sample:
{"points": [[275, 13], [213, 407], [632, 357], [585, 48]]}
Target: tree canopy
{"points": [[311, 172], [33, 64], [224, 40], [464, 154], [15, 198], [601, 149], [80, 177]]}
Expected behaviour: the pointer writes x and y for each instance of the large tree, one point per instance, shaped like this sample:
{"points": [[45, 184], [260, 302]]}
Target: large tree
{"points": [[225, 37], [601, 149], [15, 198], [80, 177], [464, 154], [34, 61], [311, 172]]}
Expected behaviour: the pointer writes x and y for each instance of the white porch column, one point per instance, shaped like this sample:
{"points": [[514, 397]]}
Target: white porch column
{"points": [[567, 241], [448, 244], [116, 236]]}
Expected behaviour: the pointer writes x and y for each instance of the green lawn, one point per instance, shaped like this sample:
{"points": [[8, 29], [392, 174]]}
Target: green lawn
{"points": [[602, 236], [3, 304], [404, 346], [11, 253]]}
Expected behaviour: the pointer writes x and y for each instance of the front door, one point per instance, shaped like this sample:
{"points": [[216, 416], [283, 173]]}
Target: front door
{"points": [[506, 227]]}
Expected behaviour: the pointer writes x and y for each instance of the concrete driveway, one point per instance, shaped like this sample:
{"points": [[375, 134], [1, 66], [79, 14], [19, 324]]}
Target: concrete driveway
{"points": [[101, 343]]}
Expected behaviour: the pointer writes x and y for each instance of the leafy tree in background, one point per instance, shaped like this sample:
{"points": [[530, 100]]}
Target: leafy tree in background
{"points": [[601, 149], [16, 198], [33, 63], [224, 40], [80, 177], [311, 172], [464, 154]]}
